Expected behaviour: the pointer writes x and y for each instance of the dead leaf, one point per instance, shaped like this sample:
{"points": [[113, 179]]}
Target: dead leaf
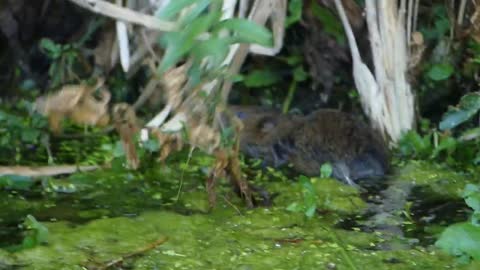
{"points": [[77, 103]]}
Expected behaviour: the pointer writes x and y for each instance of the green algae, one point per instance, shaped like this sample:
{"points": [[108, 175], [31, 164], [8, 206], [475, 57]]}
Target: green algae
{"points": [[113, 214]]}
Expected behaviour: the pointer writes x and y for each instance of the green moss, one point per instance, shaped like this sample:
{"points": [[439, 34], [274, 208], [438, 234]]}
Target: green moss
{"points": [[115, 213], [437, 181]]}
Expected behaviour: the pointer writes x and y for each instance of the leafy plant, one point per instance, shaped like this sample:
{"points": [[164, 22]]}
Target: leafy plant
{"points": [[35, 234], [326, 170], [17, 130], [202, 21], [309, 204], [443, 145], [299, 75], [463, 239], [64, 57]]}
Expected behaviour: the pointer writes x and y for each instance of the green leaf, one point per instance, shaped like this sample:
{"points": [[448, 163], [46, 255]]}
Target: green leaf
{"points": [[473, 202], [51, 48], [470, 134], [469, 105], [461, 239], [261, 78], [216, 49], [39, 233], [295, 9], [292, 60], [36, 233], [179, 44], [471, 194], [294, 207], [118, 150], [30, 135], [440, 72], [309, 196], [151, 145], [196, 11], [453, 119], [299, 74], [173, 8], [414, 144], [326, 170], [247, 31], [470, 189], [330, 22], [447, 144], [16, 182]]}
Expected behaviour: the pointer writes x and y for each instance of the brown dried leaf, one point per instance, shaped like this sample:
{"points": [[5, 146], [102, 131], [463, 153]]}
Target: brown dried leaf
{"points": [[417, 48], [127, 126]]}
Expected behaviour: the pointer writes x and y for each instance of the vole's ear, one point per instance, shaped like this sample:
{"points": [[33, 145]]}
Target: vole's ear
{"points": [[267, 124]]}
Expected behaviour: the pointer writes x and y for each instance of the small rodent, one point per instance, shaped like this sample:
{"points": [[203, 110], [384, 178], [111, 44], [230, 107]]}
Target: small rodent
{"points": [[354, 150]]}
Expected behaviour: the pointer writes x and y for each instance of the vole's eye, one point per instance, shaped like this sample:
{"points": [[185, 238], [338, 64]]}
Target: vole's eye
{"points": [[241, 115]]}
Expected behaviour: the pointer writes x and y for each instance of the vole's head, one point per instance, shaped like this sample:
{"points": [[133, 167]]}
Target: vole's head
{"points": [[259, 124], [265, 133]]}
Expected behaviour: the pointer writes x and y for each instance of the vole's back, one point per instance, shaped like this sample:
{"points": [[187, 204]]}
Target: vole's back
{"points": [[351, 146]]}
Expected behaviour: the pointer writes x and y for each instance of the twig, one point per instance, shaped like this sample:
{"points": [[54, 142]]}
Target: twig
{"points": [[232, 205], [44, 170], [135, 253], [125, 14], [461, 12], [122, 39], [146, 93]]}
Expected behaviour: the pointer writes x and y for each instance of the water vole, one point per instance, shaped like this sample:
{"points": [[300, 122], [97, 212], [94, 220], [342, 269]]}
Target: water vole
{"points": [[354, 149]]}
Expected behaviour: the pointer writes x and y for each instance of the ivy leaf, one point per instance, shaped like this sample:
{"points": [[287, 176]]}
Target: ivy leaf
{"points": [[440, 72]]}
